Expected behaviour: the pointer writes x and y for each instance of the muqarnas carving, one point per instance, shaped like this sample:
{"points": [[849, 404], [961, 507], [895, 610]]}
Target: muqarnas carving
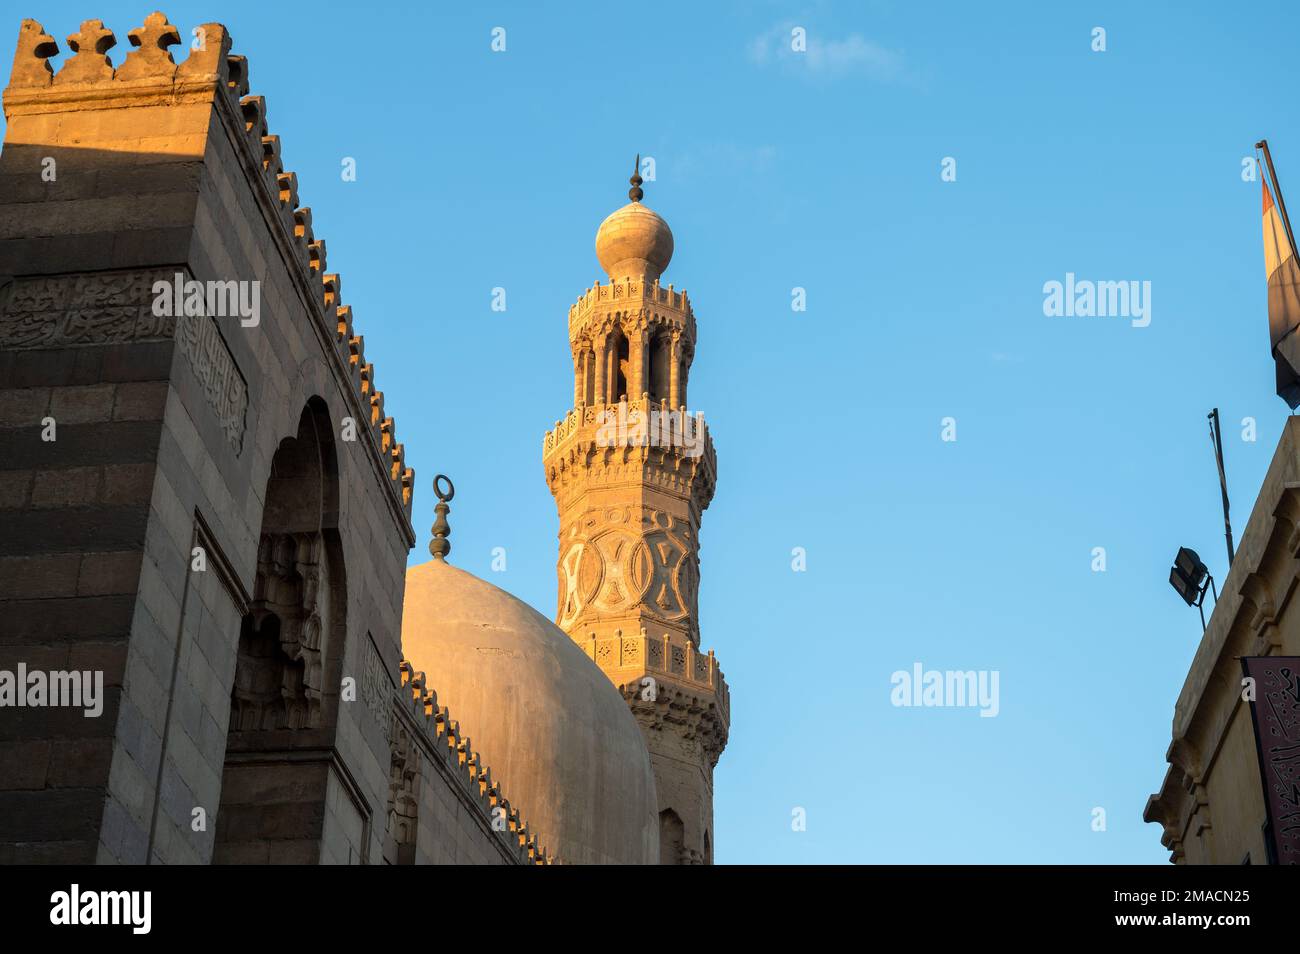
{"points": [[278, 678]]}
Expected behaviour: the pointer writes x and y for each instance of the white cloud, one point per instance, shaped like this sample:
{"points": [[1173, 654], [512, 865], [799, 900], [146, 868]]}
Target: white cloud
{"points": [[827, 57]]}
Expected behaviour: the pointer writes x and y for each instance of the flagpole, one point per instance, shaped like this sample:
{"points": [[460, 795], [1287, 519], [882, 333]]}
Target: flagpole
{"points": [[1277, 194], [1216, 440]]}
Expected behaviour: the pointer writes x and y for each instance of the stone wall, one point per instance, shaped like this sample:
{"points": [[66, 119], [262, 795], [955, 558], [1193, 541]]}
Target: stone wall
{"points": [[133, 537], [1210, 805]]}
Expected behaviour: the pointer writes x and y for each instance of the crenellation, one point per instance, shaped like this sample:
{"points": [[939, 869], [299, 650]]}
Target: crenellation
{"points": [[443, 737], [236, 66], [287, 185], [316, 259], [253, 109], [91, 63], [215, 64], [272, 165], [356, 358], [408, 487], [31, 69], [150, 58], [333, 291], [343, 317], [302, 231]]}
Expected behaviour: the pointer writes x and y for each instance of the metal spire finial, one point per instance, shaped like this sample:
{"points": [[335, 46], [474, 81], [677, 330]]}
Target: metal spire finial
{"points": [[635, 193], [440, 546]]}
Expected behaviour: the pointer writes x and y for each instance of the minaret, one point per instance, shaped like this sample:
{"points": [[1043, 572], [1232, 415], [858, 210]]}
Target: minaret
{"points": [[631, 473]]}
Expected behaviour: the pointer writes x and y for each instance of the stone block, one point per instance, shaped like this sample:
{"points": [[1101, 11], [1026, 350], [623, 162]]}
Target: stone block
{"points": [[102, 574], [52, 815], [128, 483], [15, 488], [79, 763], [66, 487], [85, 404], [106, 656], [59, 531], [81, 445], [23, 407], [38, 577], [24, 764], [140, 401], [66, 619]]}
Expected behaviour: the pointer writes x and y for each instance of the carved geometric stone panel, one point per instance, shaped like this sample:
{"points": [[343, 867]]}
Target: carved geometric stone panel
{"points": [[620, 561]]}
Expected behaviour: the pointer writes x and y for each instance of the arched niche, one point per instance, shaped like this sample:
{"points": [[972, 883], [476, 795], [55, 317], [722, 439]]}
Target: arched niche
{"points": [[672, 838], [285, 692]]}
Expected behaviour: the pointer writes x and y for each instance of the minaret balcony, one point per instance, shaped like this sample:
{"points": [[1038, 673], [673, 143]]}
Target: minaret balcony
{"points": [[630, 659], [662, 304], [641, 422]]}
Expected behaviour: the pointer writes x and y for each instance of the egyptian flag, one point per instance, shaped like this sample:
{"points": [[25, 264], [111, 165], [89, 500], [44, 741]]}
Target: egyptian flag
{"points": [[1283, 301]]}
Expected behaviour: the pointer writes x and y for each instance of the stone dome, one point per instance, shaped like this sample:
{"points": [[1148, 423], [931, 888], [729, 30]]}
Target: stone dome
{"points": [[548, 723], [634, 242]]}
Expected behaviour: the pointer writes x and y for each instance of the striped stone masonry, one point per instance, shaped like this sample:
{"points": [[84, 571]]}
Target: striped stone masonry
{"points": [[149, 76]]}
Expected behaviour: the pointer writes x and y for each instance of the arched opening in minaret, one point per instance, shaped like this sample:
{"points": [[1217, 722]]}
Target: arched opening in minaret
{"points": [[672, 837], [708, 849], [622, 365], [589, 376], [658, 375]]}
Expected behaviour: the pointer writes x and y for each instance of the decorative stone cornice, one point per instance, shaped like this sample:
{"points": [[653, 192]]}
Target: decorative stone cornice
{"points": [[695, 719]]}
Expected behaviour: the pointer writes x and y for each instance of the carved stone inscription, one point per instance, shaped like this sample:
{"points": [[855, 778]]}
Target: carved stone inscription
{"points": [[115, 307], [100, 308], [214, 366]]}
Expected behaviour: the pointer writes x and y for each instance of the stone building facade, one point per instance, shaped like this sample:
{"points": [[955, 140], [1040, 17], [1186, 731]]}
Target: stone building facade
{"points": [[208, 505], [1210, 805]]}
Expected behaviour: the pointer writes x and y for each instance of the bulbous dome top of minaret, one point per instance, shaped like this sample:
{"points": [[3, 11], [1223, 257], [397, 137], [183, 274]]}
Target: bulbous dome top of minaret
{"points": [[634, 241]]}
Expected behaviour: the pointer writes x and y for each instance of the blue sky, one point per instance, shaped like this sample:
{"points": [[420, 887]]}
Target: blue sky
{"points": [[924, 300]]}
